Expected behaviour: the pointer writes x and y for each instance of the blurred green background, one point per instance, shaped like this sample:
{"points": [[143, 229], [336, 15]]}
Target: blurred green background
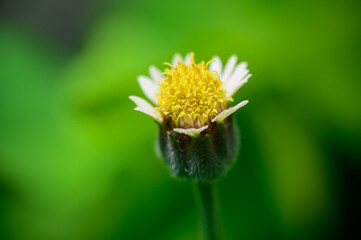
{"points": [[76, 162]]}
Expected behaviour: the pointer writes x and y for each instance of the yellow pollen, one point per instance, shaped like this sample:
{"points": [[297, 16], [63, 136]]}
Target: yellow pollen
{"points": [[190, 95]]}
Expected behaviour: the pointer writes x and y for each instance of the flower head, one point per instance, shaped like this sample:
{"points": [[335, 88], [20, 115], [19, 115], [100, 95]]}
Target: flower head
{"points": [[192, 103], [191, 95]]}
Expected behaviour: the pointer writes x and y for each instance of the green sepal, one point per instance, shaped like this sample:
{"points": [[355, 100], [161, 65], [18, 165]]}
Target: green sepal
{"points": [[201, 158]]}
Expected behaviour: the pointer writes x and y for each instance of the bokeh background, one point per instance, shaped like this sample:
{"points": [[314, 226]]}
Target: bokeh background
{"points": [[76, 162]]}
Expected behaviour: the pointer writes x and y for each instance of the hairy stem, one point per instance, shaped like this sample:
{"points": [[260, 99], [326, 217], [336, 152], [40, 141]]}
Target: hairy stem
{"points": [[209, 210]]}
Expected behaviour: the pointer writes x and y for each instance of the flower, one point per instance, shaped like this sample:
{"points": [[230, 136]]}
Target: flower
{"points": [[191, 96], [192, 106]]}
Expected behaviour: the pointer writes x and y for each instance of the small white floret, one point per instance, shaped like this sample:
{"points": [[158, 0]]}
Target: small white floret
{"points": [[145, 107], [239, 73], [229, 68], [231, 89], [192, 132], [176, 58], [155, 73], [187, 59], [223, 115], [216, 65], [149, 88]]}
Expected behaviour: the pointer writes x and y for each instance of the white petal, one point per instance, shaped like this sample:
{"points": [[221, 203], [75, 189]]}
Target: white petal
{"points": [[145, 107], [155, 73], [223, 115], [192, 132], [240, 72], [229, 67], [176, 58], [216, 66], [237, 79], [187, 59], [149, 88], [232, 89]]}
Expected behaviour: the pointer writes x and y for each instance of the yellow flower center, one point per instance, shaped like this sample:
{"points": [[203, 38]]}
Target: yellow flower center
{"points": [[190, 95]]}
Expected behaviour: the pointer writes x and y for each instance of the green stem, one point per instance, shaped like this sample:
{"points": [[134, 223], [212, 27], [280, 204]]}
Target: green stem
{"points": [[209, 210]]}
